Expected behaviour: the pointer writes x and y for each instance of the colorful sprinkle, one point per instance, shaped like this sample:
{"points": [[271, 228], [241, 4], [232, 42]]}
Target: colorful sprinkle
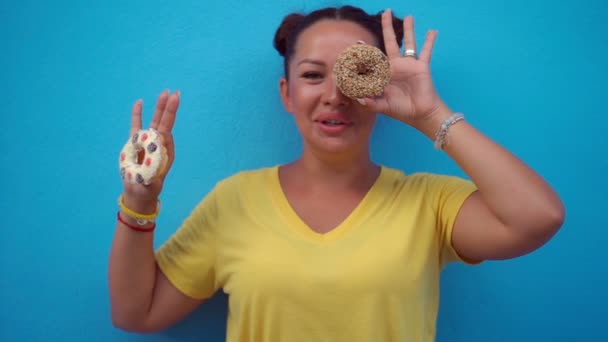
{"points": [[139, 179], [152, 147], [122, 156], [144, 137], [134, 138], [148, 162]]}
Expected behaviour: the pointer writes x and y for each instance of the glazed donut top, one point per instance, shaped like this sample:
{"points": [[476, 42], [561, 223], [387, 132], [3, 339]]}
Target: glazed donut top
{"points": [[362, 71], [143, 157]]}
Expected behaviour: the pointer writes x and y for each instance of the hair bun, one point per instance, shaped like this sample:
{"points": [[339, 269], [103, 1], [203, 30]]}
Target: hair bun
{"points": [[284, 30]]}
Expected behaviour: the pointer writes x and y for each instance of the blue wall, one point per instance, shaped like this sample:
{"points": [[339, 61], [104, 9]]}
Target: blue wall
{"points": [[531, 74]]}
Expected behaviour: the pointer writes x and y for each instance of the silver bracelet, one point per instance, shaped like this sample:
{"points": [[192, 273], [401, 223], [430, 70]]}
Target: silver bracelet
{"points": [[441, 137]]}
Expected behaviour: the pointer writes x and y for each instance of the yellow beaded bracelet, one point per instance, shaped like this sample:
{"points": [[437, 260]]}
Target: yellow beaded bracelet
{"points": [[141, 218]]}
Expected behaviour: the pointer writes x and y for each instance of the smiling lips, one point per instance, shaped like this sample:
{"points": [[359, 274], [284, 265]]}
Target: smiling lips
{"points": [[333, 123]]}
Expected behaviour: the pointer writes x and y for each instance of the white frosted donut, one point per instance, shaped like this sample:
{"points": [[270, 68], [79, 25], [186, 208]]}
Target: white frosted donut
{"points": [[143, 157]]}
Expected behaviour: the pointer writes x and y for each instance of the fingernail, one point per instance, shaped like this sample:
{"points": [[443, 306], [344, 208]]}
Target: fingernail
{"points": [[178, 93], [361, 102]]}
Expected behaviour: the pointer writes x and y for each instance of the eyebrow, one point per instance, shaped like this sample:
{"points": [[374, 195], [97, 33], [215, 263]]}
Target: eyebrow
{"points": [[311, 61]]}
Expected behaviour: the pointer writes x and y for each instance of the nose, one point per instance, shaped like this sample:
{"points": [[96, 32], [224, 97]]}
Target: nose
{"points": [[332, 94]]}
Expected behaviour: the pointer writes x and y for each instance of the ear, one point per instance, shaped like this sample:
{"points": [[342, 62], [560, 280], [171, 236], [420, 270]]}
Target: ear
{"points": [[284, 89]]}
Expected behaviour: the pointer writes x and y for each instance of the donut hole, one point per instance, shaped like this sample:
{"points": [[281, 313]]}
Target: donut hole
{"points": [[363, 69], [140, 155]]}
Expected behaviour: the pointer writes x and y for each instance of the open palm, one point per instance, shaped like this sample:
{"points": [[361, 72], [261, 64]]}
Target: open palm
{"points": [[163, 121], [410, 95]]}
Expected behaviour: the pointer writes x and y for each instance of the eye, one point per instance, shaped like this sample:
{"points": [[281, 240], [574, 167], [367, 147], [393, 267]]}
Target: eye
{"points": [[312, 75]]}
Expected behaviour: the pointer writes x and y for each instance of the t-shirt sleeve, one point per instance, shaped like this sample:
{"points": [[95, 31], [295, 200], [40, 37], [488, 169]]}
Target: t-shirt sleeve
{"points": [[449, 193], [188, 257]]}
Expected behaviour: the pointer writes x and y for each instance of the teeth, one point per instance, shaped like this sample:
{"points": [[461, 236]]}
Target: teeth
{"points": [[332, 122]]}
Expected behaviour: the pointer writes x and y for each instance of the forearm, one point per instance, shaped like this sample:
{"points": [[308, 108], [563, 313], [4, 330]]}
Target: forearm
{"points": [[132, 269], [516, 194]]}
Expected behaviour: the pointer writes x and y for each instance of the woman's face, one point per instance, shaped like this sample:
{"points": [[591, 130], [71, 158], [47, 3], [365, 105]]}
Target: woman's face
{"points": [[328, 121]]}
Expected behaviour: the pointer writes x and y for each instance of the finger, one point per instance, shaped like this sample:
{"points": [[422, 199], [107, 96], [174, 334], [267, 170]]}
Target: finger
{"points": [[390, 41], [376, 105], [169, 145], [427, 48], [161, 103], [168, 117], [409, 38], [136, 117]]}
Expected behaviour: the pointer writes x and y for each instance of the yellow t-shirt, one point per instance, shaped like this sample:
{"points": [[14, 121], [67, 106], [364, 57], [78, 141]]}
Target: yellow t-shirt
{"points": [[375, 277]]}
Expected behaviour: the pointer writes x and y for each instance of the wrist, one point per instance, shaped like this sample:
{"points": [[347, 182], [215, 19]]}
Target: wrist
{"points": [[135, 224], [140, 210], [430, 124], [146, 206]]}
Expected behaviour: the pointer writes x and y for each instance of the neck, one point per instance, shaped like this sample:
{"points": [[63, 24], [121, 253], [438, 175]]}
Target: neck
{"points": [[314, 171]]}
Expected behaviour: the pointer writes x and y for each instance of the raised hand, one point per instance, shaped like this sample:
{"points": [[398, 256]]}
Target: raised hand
{"points": [[410, 95], [163, 121]]}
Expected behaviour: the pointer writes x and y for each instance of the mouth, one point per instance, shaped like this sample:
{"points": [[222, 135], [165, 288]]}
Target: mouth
{"points": [[333, 123], [333, 126]]}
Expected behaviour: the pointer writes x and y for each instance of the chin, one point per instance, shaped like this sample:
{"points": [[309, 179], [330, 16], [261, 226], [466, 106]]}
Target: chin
{"points": [[337, 145]]}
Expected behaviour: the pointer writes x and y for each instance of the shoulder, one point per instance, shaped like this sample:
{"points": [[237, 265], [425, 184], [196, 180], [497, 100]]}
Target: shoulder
{"points": [[424, 182], [230, 192], [244, 182], [246, 177]]}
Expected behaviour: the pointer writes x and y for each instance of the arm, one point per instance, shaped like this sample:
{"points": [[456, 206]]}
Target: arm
{"points": [[514, 210], [141, 297]]}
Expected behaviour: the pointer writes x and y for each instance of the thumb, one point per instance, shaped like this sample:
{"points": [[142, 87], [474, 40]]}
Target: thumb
{"points": [[375, 105]]}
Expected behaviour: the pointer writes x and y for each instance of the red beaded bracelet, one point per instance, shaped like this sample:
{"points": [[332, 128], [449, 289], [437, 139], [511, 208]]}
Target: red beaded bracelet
{"points": [[139, 229]]}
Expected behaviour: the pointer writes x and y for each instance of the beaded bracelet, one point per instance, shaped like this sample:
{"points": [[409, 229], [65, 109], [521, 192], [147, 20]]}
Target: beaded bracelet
{"points": [[141, 218], [442, 134], [139, 229]]}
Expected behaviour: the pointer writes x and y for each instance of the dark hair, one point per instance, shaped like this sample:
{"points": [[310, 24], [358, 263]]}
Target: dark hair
{"points": [[287, 34]]}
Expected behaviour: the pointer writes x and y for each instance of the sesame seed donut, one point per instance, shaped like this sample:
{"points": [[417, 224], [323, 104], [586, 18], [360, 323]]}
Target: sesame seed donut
{"points": [[143, 158], [362, 71]]}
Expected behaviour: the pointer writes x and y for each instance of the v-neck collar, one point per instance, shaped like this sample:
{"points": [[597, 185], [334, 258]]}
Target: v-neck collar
{"points": [[296, 224]]}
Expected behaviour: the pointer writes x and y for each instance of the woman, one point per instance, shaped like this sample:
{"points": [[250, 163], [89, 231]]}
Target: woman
{"points": [[332, 246]]}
